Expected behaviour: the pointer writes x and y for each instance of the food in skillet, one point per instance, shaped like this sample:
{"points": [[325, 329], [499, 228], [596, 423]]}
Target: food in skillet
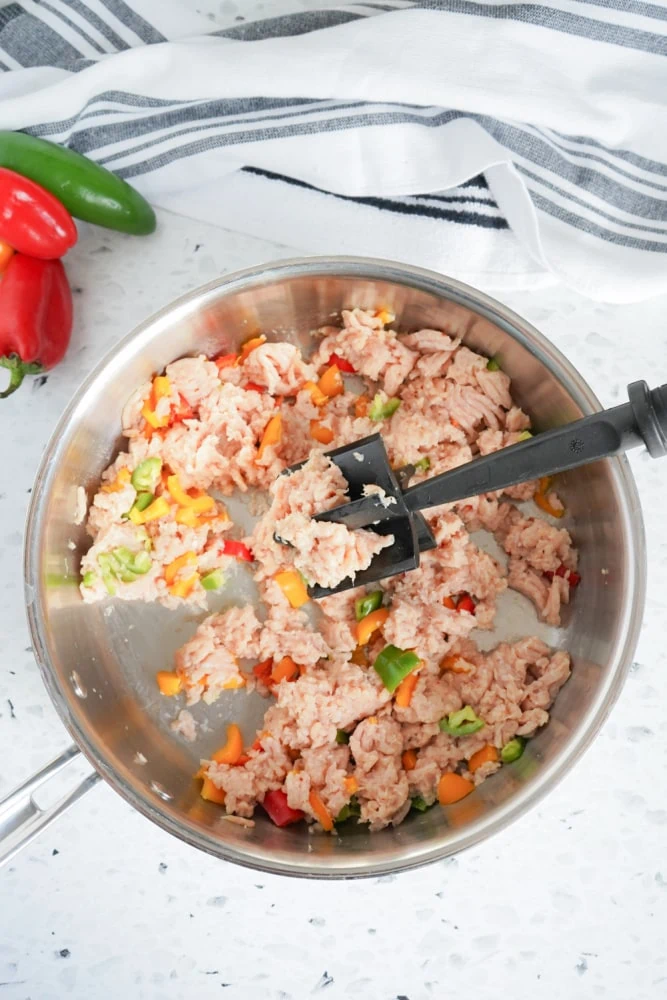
{"points": [[383, 701]]}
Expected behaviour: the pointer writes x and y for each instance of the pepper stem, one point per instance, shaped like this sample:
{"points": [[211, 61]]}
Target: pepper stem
{"points": [[17, 372]]}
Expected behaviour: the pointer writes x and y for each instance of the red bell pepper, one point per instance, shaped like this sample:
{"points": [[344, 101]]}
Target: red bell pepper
{"points": [[237, 549], [574, 579], [35, 317], [341, 364], [466, 603], [32, 220], [255, 387], [279, 812]]}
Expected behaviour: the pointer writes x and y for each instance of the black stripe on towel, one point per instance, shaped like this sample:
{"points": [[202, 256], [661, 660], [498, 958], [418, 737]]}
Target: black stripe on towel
{"points": [[468, 218]]}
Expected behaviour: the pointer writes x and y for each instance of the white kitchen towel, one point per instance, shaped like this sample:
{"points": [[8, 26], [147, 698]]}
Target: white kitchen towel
{"points": [[365, 127]]}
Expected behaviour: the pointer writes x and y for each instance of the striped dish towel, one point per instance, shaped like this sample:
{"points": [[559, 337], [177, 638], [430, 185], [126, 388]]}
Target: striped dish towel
{"points": [[508, 144]]}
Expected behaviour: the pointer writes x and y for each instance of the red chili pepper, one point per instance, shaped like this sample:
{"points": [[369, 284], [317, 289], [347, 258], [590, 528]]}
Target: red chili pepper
{"points": [[465, 603], [237, 549], [341, 364], [35, 317], [32, 220], [255, 387], [279, 812]]}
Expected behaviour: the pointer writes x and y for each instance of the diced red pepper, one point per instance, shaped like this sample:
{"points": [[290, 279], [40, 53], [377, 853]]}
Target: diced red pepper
{"points": [[466, 603], [341, 364], [243, 759], [262, 671], [183, 411], [255, 387], [237, 549], [275, 804], [574, 579]]}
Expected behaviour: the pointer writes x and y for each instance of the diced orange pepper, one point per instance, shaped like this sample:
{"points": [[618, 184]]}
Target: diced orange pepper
{"points": [[183, 588], [285, 670], [225, 360], [331, 382], [272, 434], [249, 347], [212, 793], [452, 788], [200, 503], [159, 508], [321, 433], [293, 587], [233, 748], [405, 690], [455, 664], [361, 406], [171, 570], [370, 623], [169, 683], [6, 254], [316, 394], [450, 603], [385, 316], [320, 811], [487, 755], [542, 498], [409, 760], [122, 479], [152, 418], [351, 784], [360, 657]]}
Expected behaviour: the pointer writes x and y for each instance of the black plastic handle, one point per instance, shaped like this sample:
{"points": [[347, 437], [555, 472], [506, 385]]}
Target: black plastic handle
{"points": [[641, 421]]}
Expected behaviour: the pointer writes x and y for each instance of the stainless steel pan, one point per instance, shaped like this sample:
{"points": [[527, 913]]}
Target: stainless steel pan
{"points": [[98, 662]]}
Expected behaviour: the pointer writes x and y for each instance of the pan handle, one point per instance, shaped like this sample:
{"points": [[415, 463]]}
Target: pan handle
{"points": [[21, 819]]}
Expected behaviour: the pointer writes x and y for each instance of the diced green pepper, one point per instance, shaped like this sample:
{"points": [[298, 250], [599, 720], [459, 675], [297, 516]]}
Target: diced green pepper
{"points": [[525, 436], [383, 409], [89, 578], [394, 664], [513, 750], [492, 365], [213, 580], [369, 602], [420, 804], [146, 476], [122, 564], [462, 723], [423, 465], [342, 736], [142, 501], [141, 563], [349, 810], [108, 575]]}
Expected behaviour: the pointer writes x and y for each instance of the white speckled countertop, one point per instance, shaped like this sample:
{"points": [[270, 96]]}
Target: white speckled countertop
{"points": [[570, 901]]}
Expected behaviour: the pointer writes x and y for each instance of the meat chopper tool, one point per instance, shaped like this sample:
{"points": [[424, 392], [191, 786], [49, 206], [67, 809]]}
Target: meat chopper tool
{"points": [[396, 511]]}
